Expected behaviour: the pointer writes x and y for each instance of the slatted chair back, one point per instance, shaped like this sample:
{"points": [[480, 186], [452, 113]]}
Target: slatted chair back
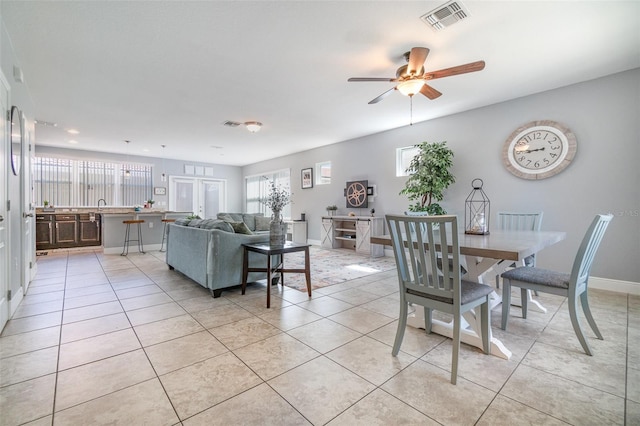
{"points": [[426, 271], [587, 252], [513, 221]]}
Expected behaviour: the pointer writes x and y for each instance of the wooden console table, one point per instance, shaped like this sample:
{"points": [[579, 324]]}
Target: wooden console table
{"points": [[269, 251]]}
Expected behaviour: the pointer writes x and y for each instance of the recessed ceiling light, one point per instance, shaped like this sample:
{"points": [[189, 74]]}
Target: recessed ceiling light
{"points": [[145, 150], [73, 141], [73, 131]]}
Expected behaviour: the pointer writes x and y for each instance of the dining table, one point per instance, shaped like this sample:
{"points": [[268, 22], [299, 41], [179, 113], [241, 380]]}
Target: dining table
{"points": [[484, 257]]}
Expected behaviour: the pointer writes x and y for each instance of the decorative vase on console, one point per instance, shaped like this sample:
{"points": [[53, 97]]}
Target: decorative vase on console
{"points": [[277, 230]]}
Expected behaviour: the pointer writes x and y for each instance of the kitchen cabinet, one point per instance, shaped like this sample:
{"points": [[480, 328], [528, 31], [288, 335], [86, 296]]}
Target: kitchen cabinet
{"points": [[67, 230]]}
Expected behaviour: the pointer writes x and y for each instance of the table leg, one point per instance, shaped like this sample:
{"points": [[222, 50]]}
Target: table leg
{"points": [[245, 269], [268, 281], [307, 270]]}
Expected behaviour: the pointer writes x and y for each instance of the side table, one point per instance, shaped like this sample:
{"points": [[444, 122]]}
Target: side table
{"points": [[275, 267]]}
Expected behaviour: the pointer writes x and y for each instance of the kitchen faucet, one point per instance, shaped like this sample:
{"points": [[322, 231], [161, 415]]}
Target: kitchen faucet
{"points": [[104, 201]]}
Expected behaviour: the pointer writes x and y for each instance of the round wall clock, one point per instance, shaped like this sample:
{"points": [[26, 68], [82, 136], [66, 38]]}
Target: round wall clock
{"points": [[539, 149]]}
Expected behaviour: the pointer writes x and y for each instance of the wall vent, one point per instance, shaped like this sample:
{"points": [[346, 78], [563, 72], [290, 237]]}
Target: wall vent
{"points": [[230, 123], [445, 15]]}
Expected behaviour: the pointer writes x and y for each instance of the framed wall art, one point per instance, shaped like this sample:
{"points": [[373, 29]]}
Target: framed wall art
{"points": [[307, 178]]}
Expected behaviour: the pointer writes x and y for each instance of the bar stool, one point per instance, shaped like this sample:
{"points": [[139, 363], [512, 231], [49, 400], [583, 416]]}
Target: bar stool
{"points": [[127, 240], [164, 231]]}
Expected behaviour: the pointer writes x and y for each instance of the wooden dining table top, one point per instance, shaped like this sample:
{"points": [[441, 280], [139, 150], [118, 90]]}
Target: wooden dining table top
{"points": [[499, 244]]}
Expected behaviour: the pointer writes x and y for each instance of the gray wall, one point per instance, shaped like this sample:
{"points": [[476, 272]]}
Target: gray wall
{"points": [[603, 178]]}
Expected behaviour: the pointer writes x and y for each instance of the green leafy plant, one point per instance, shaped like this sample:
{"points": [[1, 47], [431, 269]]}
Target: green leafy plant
{"points": [[193, 216], [332, 208], [429, 176]]}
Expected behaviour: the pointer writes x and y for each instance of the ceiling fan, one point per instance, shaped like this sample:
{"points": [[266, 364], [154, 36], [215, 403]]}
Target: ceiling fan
{"points": [[412, 78]]}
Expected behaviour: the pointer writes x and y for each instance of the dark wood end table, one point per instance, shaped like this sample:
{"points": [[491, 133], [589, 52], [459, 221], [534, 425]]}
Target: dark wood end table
{"points": [[278, 268]]}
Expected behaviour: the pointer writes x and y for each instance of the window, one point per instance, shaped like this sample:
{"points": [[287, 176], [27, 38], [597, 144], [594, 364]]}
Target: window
{"points": [[64, 182], [257, 188], [403, 159], [323, 173]]}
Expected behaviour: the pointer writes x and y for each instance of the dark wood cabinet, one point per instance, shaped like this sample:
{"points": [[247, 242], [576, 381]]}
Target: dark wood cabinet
{"points": [[68, 230], [44, 231], [89, 230]]}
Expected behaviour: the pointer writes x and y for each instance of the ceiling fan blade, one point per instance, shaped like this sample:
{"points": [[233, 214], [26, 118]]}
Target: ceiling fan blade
{"points": [[460, 69], [371, 79], [381, 97], [416, 60], [430, 92]]}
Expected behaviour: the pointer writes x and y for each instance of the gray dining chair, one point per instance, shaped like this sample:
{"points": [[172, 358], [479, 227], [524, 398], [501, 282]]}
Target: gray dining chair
{"points": [[573, 285], [422, 282]]}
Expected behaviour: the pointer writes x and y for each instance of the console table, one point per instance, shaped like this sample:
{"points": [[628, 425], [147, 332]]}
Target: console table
{"points": [[352, 232]]}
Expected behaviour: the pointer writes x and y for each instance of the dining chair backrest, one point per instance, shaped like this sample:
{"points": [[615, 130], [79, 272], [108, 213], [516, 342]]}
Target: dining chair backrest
{"points": [[513, 221], [587, 251], [421, 266], [408, 213]]}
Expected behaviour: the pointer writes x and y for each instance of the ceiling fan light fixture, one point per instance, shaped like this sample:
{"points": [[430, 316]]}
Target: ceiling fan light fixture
{"points": [[410, 87], [253, 126]]}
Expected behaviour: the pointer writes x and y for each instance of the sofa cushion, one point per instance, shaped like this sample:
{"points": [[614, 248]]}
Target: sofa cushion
{"points": [[195, 223], [250, 219], [216, 224], [231, 217], [183, 221], [262, 223], [240, 228]]}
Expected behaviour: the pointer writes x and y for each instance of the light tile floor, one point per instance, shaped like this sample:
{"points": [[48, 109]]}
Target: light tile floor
{"points": [[105, 339]]}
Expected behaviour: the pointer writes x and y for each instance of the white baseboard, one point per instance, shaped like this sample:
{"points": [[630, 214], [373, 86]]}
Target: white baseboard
{"points": [[618, 286], [314, 242]]}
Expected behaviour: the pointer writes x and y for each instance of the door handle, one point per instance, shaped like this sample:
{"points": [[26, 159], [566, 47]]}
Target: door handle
{"points": [[1, 218], [26, 215]]}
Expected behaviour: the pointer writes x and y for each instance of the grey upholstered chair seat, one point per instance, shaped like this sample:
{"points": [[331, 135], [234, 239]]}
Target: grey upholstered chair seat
{"points": [[538, 276], [469, 291]]}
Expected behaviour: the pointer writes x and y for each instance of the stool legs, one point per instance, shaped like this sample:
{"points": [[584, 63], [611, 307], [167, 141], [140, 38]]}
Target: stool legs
{"points": [[127, 240], [164, 236]]}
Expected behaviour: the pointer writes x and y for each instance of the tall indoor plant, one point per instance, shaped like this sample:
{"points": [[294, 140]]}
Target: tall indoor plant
{"points": [[429, 176]]}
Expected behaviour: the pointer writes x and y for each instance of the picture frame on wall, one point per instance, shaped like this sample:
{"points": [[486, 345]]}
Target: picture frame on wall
{"points": [[159, 190], [307, 178]]}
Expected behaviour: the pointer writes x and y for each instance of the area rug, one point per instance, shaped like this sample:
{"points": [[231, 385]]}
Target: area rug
{"points": [[329, 267]]}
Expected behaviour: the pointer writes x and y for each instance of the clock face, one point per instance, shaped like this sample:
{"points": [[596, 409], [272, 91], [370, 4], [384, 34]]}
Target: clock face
{"points": [[539, 150]]}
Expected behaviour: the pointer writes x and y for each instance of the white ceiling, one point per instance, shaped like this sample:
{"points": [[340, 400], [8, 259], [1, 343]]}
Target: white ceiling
{"points": [[169, 72]]}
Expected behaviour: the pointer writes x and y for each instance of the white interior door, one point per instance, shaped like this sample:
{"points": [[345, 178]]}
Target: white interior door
{"points": [[4, 217], [204, 197]]}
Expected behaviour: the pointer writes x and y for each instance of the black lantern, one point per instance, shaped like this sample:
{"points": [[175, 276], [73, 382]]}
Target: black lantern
{"points": [[477, 211]]}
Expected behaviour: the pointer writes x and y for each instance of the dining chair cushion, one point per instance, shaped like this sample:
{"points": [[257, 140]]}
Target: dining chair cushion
{"points": [[469, 291], [538, 276]]}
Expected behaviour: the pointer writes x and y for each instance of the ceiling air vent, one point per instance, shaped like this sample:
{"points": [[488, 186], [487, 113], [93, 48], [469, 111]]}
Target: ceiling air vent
{"points": [[445, 15], [230, 123]]}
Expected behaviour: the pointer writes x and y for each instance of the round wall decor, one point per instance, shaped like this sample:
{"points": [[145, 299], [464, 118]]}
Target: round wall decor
{"points": [[539, 149]]}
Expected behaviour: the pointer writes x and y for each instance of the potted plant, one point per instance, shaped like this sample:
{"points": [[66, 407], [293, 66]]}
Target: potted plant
{"points": [[46, 204], [430, 176], [277, 200], [331, 210]]}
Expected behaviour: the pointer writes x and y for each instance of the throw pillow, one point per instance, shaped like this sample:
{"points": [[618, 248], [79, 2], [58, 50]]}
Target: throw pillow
{"points": [[217, 224], [182, 222], [230, 217], [262, 223], [240, 228], [250, 220]]}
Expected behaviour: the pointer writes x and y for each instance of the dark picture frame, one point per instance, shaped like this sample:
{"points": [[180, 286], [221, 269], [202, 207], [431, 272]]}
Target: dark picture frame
{"points": [[306, 177]]}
